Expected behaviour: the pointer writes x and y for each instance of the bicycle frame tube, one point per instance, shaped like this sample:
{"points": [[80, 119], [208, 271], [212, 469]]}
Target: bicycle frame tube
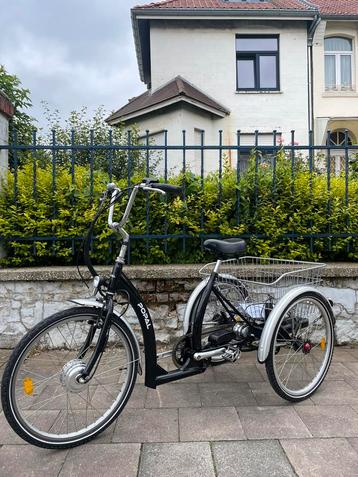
{"points": [[198, 319], [146, 324]]}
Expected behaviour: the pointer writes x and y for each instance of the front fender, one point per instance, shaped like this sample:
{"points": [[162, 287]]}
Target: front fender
{"points": [[96, 304], [275, 315]]}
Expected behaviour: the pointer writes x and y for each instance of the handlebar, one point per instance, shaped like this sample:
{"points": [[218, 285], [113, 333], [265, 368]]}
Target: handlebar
{"points": [[147, 185]]}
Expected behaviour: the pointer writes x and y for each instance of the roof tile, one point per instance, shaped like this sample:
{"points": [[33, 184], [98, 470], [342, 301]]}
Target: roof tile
{"points": [[174, 89], [337, 7], [221, 4]]}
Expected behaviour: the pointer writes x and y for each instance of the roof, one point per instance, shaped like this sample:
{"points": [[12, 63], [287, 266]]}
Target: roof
{"points": [[6, 106], [337, 7], [229, 5], [176, 90]]}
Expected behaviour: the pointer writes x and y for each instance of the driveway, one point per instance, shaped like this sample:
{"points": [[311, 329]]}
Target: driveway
{"points": [[227, 422]]}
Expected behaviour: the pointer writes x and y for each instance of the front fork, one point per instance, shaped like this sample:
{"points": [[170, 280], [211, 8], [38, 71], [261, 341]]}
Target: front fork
{"points": [[103, 323]]}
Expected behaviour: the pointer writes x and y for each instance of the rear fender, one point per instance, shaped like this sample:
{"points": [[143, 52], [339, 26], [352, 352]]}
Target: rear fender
{"points": [[276, 313]]}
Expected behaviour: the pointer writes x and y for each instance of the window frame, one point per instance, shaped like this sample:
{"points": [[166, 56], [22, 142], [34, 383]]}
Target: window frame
{"points": [[338, 65], [255, 56]]}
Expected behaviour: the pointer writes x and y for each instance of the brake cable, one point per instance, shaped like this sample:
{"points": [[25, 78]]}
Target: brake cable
{"points": [[87, 239]]}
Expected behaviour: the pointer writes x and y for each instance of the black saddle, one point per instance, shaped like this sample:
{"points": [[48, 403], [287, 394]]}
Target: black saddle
{"points": [[231, 246]]}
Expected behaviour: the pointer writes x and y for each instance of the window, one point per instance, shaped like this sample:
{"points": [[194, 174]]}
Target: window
{"points": [[338, 138], [338, 64], [257, 63]]}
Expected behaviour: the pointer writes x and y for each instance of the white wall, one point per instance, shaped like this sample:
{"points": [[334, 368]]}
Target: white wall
{"points": [[175, 120], [333, 104], [4, 137], [205, 55]]}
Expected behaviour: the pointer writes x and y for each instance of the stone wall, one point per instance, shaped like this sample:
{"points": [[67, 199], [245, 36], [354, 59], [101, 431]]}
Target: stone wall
{"points": [[29, 295]]}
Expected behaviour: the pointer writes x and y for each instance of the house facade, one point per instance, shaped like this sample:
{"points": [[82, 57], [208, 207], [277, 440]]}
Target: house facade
{"points": [[247, 65]]}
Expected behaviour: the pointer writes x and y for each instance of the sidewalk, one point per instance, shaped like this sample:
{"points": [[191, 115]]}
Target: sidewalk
{"points": [[226, 422]]}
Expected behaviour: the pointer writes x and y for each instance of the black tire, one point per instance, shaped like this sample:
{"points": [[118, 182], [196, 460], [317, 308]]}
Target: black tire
{"points": [[305, 320], [42, 351]]}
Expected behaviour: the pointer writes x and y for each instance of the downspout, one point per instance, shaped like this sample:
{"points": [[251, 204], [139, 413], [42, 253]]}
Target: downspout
{"points": [[310, 71]]}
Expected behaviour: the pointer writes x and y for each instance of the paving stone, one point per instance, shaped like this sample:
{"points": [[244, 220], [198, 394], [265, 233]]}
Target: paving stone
{"points": [[330, 421], [23, 461], [4, 356], [266, 396], [226, 394], [106, 436], [174, 395], [337, 393], [354, 443], [111, 460], [353, 366], [210, 424], [184, 459], [8, 436], [344, 355], [147, 425], [251, 459], [138, 396], [339, 371], [271, 423], [240, 373], [353, 383], [103, 396], [206, 377], [321, 457]]}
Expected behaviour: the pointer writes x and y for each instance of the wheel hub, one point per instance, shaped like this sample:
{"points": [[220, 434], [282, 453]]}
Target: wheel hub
{"points": [[71, 372], [307, 348]]}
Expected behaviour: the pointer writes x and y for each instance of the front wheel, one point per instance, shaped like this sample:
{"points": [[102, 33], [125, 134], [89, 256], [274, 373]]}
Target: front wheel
{"points": [[302, 347], [42, 398]]}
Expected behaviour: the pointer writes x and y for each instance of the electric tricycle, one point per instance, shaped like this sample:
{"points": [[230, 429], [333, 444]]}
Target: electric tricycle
{"points": [[71, 375]]}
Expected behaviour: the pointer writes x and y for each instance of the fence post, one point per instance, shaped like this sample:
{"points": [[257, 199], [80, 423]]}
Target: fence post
{"points": [[6, 113]]}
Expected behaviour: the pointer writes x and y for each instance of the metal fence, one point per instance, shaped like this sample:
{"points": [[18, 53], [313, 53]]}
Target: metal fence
{"points": [[134, 155]]}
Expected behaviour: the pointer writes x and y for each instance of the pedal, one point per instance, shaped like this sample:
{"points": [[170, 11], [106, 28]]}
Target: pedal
{"points": [[232, 353]]}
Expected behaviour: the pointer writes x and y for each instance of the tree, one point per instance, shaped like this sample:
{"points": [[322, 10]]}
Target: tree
{"points": [[22, 122], [83, 129]]}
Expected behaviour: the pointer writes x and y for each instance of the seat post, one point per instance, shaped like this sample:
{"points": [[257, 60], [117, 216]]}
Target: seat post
{"points": [[217, 266]]}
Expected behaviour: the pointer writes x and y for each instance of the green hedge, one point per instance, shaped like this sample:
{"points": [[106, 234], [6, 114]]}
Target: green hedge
{"points": [[271, 207]]}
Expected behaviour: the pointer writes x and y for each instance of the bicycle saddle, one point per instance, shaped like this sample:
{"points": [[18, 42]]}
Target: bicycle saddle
{"points": [[231, 246]]}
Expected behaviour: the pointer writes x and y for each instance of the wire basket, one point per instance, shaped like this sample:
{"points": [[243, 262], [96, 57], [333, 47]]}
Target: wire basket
{"points": [[263, 281]]}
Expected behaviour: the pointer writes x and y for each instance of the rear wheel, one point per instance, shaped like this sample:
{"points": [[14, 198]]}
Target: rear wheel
{"points": [[42, 398], [302, 347]]}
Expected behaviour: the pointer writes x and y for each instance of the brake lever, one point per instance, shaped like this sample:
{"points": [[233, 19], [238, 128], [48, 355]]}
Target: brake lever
{"points": [[153, 189]]}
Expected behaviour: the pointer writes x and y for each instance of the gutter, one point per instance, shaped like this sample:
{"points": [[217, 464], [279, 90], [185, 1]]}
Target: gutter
{"points": [[340, 17], [224, 12], [310, 72]]}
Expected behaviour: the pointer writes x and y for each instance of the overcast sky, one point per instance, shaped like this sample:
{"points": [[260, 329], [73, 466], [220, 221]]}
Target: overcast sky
{"points": [[71, 53]]}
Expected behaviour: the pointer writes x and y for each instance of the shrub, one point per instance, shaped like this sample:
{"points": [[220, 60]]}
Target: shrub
{"points": [[277, 212]]}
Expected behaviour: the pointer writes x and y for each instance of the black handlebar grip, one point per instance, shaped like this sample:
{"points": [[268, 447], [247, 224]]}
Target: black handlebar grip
{"points": [[168, 188]]}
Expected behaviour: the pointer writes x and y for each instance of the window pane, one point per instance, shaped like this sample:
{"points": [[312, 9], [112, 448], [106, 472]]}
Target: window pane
{"points": [[257, 44], [246, 73], [268, 72], [337, 44], [346, 71], [330, 71]]}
